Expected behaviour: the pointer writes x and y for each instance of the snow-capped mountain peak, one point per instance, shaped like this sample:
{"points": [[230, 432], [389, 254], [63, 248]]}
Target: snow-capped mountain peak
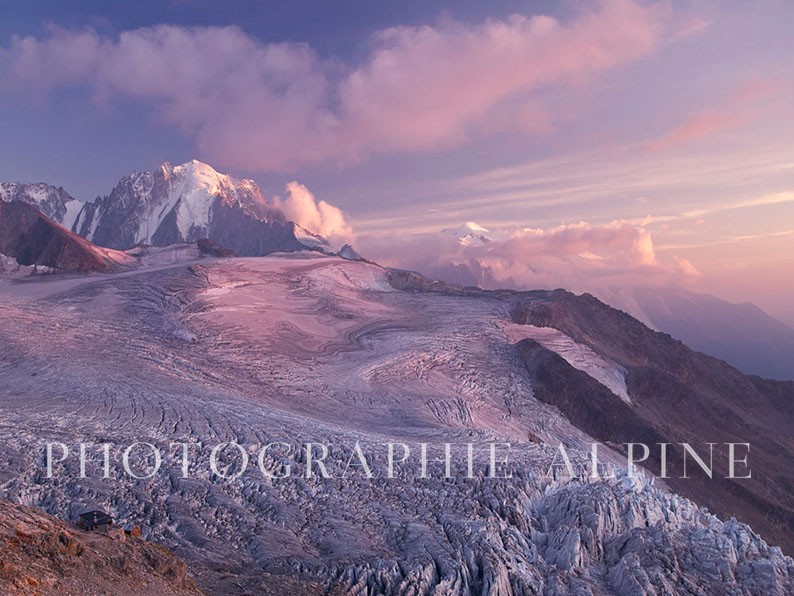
{"points": [[171, 205], [185, 193], [470, 234], [196, 175], [186, 203], [194, 187]]}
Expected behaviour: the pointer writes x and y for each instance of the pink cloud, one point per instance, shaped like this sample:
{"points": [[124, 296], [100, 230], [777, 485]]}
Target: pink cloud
{"points": [[41, 64], [692, 26], [738, 109], [695, 127], [425, 87], [320, 217], [259, 106], [582, 257]]}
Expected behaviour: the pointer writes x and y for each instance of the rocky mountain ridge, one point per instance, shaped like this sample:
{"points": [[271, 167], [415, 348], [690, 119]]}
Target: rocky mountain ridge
{"points": [[173, 205]]}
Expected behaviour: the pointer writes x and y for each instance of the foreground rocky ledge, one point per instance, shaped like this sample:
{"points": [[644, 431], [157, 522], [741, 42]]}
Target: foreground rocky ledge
{"points": [[39, 554]]}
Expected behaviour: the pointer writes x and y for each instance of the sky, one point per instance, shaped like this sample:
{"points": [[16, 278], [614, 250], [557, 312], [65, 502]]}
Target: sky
{"points": [[601, 144]]}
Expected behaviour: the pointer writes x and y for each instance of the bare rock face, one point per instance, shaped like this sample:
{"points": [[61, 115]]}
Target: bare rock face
{"points": [[40, 554], [213, 249], [32, 239]]}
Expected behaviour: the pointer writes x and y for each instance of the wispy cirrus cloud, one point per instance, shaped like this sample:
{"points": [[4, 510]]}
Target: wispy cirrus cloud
{"points": [[740, 108], [638, 186], [697, 126], [275, 106]]}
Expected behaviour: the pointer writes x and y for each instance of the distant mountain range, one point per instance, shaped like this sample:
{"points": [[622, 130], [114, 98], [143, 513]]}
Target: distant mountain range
{"points": [[192, 201], [741, 334], [171, 205], [205, 354]]}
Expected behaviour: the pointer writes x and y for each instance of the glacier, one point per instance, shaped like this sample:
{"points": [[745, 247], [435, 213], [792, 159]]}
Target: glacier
{"points": [[309, 347]]}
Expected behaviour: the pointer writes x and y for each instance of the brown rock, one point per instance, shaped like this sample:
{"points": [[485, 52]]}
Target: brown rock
{"points": [[41, 555]]}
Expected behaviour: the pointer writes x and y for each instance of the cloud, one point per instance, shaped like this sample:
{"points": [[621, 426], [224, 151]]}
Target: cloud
{"points": [[738, 109], [425, 87], [697, 126], [319, 217], [582, 257], [692, 26], [276, 106]]}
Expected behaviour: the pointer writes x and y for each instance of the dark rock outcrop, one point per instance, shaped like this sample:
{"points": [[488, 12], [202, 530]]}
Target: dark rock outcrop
{"points": [[29, 237], [213, 249], [235, 227]]}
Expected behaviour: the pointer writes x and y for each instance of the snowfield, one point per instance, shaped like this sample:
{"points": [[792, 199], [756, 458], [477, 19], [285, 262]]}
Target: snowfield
{"points": [[310, 348], [608, 373]]}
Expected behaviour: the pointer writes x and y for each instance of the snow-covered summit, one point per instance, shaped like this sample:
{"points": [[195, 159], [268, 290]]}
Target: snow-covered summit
{"points": [[470, 234], [174, 200], [173, 205], [186, 203], [193, 188]]}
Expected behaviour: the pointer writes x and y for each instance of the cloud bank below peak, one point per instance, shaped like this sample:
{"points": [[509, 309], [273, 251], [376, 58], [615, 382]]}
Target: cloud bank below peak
{"points": [[276, 106], [582, 257]]}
